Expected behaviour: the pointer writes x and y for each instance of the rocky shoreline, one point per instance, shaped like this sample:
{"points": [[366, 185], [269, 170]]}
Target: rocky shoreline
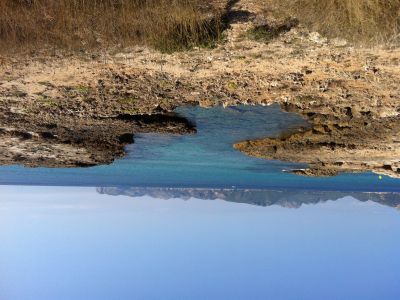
{"points": [[68, 142], [81, 110], [333, 145]]}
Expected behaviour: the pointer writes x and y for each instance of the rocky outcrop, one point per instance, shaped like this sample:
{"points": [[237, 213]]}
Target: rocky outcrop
{"points": [[336, 144], [70, 142]]}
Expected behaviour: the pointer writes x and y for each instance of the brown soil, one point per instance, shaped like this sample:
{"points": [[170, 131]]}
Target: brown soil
{"points": [[350, 96]]}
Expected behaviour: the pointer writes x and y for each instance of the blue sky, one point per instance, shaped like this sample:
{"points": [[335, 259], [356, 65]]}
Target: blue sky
{"points": [[72, 243]]}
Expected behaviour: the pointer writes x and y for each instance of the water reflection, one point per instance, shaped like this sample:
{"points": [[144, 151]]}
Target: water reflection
{"points": [[289, 199]]}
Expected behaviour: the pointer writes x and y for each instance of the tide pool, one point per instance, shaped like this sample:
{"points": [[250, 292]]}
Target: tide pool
{"points": [[205, 159]]}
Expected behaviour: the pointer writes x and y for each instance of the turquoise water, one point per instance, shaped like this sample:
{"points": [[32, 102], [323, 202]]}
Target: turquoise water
{"points": [[205, 159]]}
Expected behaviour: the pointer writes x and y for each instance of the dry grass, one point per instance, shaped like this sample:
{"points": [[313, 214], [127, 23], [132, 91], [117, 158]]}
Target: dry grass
{"points": [[360, 21], [171, 25], [167, 25]]}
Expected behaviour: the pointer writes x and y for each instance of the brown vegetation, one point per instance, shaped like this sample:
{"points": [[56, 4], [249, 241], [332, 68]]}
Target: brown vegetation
{"points": [[75, 24], [170, 25], [360, 21]]}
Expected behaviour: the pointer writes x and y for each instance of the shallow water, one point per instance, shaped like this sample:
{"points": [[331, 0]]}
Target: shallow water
{"points": [[74, 243], [205, 159]]}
